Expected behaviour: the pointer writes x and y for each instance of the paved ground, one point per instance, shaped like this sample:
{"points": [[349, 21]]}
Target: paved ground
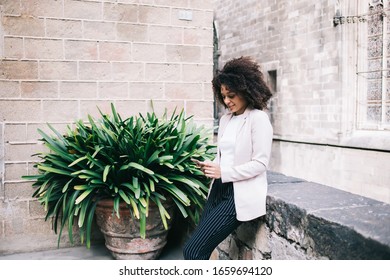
{"points": [[97, 252]]}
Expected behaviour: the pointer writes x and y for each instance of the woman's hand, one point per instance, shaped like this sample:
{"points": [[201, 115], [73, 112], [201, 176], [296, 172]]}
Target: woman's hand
{"points": [[211, 169]]}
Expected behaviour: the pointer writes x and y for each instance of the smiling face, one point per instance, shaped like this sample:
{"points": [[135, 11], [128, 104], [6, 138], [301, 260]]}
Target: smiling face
{"points": [[235, 102]]}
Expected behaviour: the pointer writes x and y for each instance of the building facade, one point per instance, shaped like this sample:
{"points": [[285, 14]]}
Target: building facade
{"points": [[61, 59], [327, 62]]}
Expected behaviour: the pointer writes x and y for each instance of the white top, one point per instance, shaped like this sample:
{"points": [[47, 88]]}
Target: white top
{"points": [[228, 142], [251, 156]]}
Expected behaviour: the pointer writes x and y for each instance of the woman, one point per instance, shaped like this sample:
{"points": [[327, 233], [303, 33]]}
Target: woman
{"points": [[239, 186]]}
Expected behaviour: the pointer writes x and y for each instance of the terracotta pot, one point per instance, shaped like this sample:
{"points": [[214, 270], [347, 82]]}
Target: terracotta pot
{"points": [[122, 236]]}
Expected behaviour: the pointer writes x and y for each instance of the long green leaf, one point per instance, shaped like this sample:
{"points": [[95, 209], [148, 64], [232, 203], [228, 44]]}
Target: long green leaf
{"points": [[184, 180], [88, 173], [137, 191], [116, 206], [153, 157], [90, 217], [54, 170], [55, 146], [124, 197], [151, 185], [83, 195], [82, 187], [77, 161], [66, 186], [105, 172], [138, 167], [181, 207], [135, 208], [83, 211], [163, 213], [176, 192], [142, 225]]}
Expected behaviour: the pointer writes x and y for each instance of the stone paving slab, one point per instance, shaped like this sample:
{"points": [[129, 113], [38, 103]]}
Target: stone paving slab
{"points": [[97, 252]]}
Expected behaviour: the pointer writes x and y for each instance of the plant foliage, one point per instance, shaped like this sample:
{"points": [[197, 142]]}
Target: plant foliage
{"points": [[138, 160]]}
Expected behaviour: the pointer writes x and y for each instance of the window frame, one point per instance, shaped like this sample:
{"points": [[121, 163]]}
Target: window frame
{"points": [[367, 75], [354, 131]]}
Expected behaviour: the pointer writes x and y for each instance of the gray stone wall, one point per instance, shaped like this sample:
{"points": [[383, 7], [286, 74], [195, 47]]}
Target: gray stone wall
{"points": [[298, 41], [306, 220], [312, 66]]}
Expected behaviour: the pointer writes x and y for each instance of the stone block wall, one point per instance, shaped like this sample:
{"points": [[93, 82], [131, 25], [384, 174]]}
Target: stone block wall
{"points": [[307, 221], [60, 59], [311, 64]]}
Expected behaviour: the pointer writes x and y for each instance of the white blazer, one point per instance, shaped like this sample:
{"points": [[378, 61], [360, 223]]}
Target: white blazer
{"points": [[251, 157]]}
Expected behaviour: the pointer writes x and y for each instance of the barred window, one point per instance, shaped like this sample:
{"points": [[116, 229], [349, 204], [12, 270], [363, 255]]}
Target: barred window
{"points": [[374, 109]]}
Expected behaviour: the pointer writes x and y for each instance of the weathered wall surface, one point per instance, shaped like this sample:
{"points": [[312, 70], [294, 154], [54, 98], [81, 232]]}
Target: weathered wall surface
{"points": [[60, 59], [312, 65], [306, 221]]}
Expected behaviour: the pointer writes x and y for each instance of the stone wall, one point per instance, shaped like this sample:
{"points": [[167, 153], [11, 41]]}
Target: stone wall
{"points": [[60, 59], [311, 64], [306, 220]]}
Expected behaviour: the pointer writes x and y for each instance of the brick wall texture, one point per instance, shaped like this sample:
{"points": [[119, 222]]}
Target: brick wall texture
{"points": [[60, 59], [312, 65]]}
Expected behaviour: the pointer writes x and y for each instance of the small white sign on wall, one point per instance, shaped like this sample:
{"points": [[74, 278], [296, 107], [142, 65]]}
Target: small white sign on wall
{"points": [[185, 15]]}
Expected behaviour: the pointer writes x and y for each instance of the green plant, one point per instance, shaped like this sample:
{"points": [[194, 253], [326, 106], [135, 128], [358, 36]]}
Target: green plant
{"points": [[138, 160]]}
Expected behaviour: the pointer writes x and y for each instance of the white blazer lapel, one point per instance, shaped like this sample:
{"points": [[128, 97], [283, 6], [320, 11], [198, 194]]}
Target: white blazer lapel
{"points": [[222, 126], [243, 121]]}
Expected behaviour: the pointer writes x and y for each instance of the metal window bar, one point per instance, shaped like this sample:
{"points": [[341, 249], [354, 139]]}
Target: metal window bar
{"points": [[382, 104], [384, 63]]}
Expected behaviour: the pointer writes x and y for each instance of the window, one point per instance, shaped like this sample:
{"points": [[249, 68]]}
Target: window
{"points": [[374, 102], [272, 82]]}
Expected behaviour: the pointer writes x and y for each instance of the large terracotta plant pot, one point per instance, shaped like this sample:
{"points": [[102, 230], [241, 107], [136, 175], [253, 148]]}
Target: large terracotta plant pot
{"points": [[122, 236]]}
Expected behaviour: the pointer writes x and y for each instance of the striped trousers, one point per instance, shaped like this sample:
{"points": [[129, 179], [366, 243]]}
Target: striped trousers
{"points": [[217, 222]]}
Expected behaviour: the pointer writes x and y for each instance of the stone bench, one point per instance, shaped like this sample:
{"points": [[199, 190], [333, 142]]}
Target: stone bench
{"points": [[306, 220]]}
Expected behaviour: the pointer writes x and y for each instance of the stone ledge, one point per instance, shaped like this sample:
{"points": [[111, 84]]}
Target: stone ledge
{"points": [[306, 220]]}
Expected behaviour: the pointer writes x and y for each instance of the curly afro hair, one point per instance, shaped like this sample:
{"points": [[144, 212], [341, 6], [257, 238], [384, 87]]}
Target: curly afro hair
{"points": [[243, 77]]}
